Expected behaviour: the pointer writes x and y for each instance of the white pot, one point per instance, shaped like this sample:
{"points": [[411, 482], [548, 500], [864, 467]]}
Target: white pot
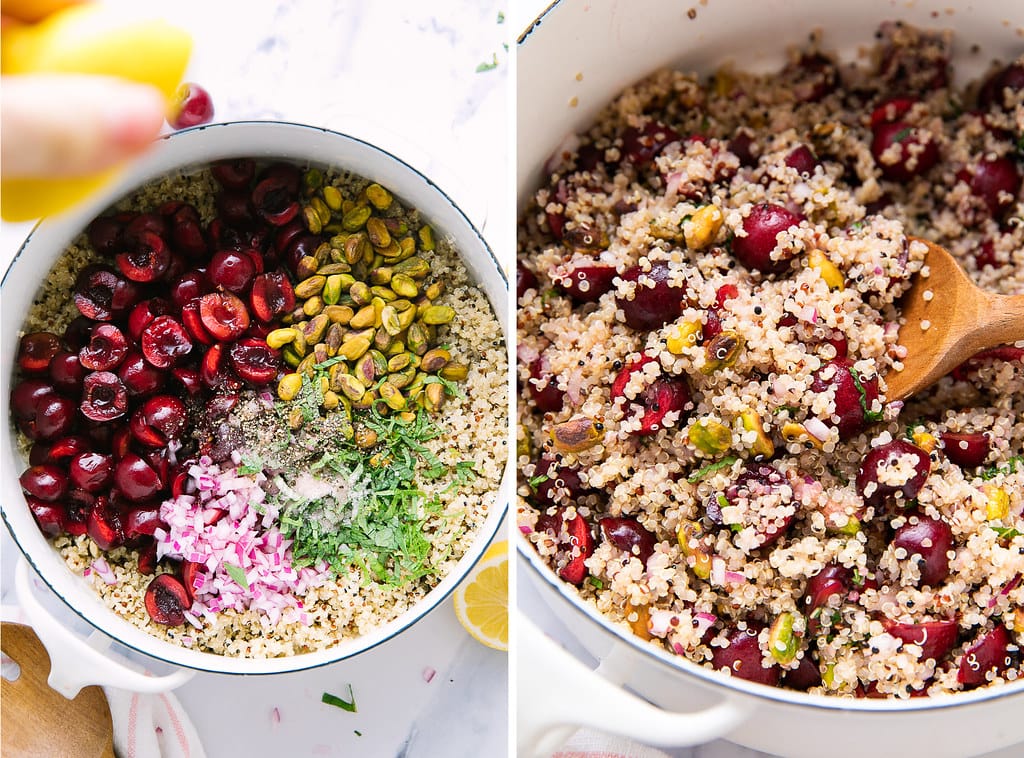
{"points": [[180, 150], [571, 62]]}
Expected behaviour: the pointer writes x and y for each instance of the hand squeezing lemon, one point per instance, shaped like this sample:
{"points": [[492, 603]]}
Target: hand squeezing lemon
{"points": [[86, 86]]}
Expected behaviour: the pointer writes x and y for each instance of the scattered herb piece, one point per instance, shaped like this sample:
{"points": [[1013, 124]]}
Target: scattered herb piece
{"points": [[1009, 468], [700, 473], [357, 733], [537, 480], [238, 575], [501, 17], [1006, 532], [857, 578], [488, 66], [595, 582], [902, 134], [869, 415], [337, 702]]}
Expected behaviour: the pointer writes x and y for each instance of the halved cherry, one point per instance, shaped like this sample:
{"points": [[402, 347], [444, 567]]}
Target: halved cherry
{"points": [[54, 418], [139, 376], [275, 201], [628, 535], [161, 418], [46, 482], [105, 232], [255, 361], [102, 295], [189, 570], [988, 652], [285, 235], [92, 472], [935, 638], [166, 600], [194, 323], [233, 208], [38, 454], [66, 372], [66, 448], [190, 285], [106, 349], [77, 332], [234, 173], [301, 246], [658, 397], [104, 525], [51, 518], [121, 443], [135, 478], [144, 313], [146, 260], [147, 558], [224, 315], [189, 379], [36, 350], [26, 396], [142, 522], [575, 571], [966, 449], [232, 270], [187, 231], [165, 342], [215, 370], [221, 404], [743, 657]]}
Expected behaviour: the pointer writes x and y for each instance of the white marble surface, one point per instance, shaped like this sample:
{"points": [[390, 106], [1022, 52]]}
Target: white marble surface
{"points": [[401, 74]]}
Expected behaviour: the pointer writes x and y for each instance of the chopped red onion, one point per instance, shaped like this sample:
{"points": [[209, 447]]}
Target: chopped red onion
{"points": [[428, 674], [103, 571]]}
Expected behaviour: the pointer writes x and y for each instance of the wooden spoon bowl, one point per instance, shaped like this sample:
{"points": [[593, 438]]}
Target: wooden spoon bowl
{"points": [[947, 319], [36, 720]]}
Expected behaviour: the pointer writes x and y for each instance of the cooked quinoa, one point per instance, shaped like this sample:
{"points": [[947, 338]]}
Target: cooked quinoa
{"points": [[708, 306], [345, 604]]}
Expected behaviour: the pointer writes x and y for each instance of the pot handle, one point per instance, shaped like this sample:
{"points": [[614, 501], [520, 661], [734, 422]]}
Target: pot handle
{"points": [[558, 694], [76, 663]]}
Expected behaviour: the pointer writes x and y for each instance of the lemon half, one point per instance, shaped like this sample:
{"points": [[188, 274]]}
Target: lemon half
{"points": [[481, 601]]}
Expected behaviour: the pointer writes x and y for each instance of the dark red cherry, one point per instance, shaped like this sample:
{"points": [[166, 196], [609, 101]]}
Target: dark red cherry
{"points": [[102, 295], [628, 535], [655, 300], [927, 542], [235, 173], [902, 151], [190, 285], [165, 342], [275, 201], [855, 395], [880, 465], [255, 361], [271, 296], [989, 653], [104, 525], [146, 260], [586, 284], [966, 449], [45, 482], [742, 656], [92, 472], [935, 638], [231, 270], [36, 350], [104, 397], [224, 315], [135, 478], [106, 349], [139, 376], [166, 600], [762, 227]]}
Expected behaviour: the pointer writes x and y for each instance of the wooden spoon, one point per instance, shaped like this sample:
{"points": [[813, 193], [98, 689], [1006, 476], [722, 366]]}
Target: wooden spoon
{"points": [[961, 320], [36, 720]]}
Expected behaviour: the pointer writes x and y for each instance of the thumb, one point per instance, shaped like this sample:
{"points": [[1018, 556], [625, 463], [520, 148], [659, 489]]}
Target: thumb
{"points": [[74, 124]]}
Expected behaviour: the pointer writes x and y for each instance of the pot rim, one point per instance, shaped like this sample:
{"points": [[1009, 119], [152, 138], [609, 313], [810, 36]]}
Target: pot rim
{"points": [[714, 679], [330, 655]]}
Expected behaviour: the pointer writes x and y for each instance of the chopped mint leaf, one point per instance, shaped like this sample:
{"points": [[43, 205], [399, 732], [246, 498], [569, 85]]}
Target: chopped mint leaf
{"points": [[1011, 466], [337, 702], [593, 580], [1006, 532], [902, 134], [857, 578], [238, 575], [537, 480], [488, 66], [699, 474], [869, 415], [501, 17], [250, 465]]}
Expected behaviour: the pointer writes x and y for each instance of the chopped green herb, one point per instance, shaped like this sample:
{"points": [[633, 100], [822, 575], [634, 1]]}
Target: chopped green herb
{"points": [[537, 480], [857, 225], [1006, 532], [250, 465], [857, 578], [357, 733], [374, 519], [595, 582], [723, 501], [869, 415], [700, 473], [238, 575], [1009, 468], [337, 702], [450, 387], [501, 17], [736, 527], [902, 134], [488, 66]]}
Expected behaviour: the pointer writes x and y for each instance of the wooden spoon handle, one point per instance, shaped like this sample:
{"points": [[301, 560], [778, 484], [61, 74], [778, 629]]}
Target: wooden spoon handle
{"points": [[1004, 322]]}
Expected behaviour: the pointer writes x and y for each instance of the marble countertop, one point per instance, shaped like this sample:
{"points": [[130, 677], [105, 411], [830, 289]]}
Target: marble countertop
{"points": [[403, 75]]}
